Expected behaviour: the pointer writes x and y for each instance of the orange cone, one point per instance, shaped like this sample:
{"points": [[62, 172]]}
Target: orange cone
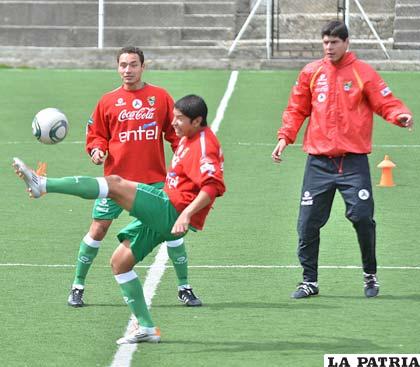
{"points": [[386, 178]]}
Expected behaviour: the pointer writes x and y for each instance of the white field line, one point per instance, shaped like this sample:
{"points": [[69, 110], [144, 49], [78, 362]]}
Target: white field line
{"points": [[248, 266], [224, 102], [124, 353]]}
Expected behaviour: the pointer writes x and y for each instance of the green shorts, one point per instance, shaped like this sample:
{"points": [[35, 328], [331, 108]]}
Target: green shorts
{"points": [[155, 218], [108, 209]]}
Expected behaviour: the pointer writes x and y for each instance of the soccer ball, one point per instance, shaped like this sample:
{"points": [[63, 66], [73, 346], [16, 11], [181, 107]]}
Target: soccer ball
{"points": [[50, 126]]}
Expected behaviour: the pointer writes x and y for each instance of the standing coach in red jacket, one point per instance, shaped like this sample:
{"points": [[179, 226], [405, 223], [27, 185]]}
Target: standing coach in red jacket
{"points": [[339, 94]]}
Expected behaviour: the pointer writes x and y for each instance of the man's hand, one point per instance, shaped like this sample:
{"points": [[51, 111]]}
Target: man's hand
{"points": [[406, 121], [276, 154], [181, 224], [97, 156]]}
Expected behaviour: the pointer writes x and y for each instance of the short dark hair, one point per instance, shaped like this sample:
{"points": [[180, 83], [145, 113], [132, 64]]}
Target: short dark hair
{"points": [[193, 106], [131, 50], [335, 28]]}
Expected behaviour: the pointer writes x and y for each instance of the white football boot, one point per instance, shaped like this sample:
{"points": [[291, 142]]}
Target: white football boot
{"points": [[36, 184], [141, 335]]}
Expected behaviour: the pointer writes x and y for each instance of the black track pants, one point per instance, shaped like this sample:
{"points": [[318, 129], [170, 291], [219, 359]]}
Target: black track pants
{"points": [[350, 175]]}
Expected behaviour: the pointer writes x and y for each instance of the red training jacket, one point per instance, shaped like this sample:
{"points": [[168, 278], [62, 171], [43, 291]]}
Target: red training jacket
{"points": [[340, 100], [196, 165], [130, 126]]}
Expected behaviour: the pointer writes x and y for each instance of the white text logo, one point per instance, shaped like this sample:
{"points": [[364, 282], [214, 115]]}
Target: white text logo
{"points": [[139, 134], [142, 114]]}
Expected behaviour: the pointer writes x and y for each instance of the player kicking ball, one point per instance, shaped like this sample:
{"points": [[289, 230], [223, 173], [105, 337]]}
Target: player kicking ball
{"points": [[193, 181]]}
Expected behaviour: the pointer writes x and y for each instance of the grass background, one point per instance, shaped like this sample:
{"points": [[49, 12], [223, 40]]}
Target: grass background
{"points": [[248, 317]]}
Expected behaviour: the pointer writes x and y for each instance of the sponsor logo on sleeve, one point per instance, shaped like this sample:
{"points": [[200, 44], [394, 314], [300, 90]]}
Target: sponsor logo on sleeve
{"points": [[207, 167], [386, 91]]}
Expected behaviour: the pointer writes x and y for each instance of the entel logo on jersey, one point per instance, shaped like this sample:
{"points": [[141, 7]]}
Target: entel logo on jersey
{"points": [[142, 133]]}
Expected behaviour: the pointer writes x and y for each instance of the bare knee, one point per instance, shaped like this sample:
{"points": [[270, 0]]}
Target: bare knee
{"points": [[122, 260], [115, 184], [113, 181], [99, 228]]}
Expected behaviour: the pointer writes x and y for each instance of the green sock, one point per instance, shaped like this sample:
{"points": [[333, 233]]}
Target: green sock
{"points": [[179, 258], [81, 186], [132, 292], [84, 261]]}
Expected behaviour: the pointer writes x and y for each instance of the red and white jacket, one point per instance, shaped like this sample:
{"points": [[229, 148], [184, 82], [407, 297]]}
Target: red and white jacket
{"points": [[196, 165], [340, 100], [130, 127]]}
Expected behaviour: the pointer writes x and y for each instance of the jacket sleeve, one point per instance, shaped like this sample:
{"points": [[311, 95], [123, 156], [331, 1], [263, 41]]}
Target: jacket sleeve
{"points": [[169, 132], [212, 175], [298, 108], [381, 98], [207, 171], [97, 130]]}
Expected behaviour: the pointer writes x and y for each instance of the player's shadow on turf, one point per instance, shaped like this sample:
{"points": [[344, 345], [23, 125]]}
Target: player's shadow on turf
{"points": [[405, 297], [293, 304], [228, 346], [104, 305], [388, 297]]}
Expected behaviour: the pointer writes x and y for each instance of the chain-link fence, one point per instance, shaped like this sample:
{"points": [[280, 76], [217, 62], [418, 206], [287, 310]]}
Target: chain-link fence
{"points": [[296, 24]]}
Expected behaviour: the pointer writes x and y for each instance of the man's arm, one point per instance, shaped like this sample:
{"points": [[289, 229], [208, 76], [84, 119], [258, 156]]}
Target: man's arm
{"points": [[169, 132], [383, 101], [97, 135], [298, 109]]}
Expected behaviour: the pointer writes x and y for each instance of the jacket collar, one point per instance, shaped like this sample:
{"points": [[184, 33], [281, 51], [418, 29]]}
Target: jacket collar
{"points": [[348, 58]]}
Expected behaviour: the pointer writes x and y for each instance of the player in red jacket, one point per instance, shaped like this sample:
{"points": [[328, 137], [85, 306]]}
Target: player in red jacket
{"points": [[194, 180], [125, 134], [339, 94]]}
